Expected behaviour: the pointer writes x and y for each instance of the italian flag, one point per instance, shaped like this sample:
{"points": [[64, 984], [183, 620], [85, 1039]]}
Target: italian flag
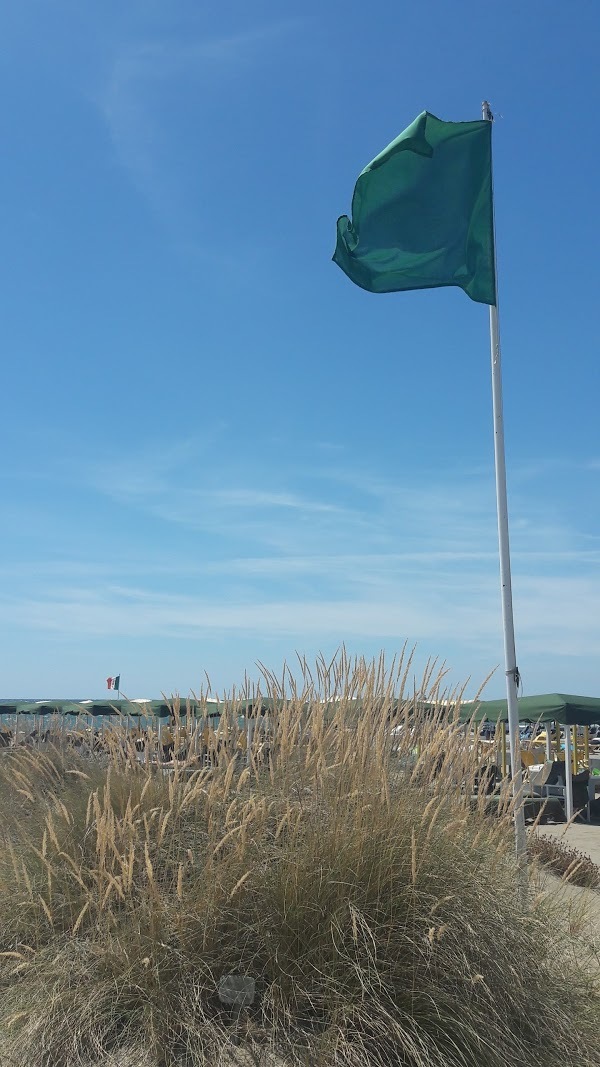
{"points": [[114, 683]]}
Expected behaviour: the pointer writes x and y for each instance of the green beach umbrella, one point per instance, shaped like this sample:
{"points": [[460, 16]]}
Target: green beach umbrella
{"points": [[565, 709]]}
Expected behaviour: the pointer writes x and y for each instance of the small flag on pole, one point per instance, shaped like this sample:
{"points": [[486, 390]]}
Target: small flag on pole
{"points": [[114, 683], [422, 213]]}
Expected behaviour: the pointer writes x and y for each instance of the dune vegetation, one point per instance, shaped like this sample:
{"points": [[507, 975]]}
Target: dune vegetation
{"points": [[344, 867]]}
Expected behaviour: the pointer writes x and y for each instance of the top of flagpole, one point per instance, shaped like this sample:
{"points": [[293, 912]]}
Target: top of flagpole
{"points": [[486, 111]]}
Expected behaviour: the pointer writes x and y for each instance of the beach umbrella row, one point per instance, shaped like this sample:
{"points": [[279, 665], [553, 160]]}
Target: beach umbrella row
{"points": [[158, 709], [95, 712]]}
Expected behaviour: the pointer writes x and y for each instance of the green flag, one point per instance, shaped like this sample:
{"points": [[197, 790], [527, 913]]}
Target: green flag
{"points": [[422, 213]]}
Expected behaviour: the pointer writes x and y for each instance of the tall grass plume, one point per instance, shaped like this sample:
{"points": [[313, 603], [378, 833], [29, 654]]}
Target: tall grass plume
{"points": [[346, 863]]}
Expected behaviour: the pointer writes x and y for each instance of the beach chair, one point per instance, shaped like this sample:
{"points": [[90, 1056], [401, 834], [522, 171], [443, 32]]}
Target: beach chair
{"points": [[550, 780]]}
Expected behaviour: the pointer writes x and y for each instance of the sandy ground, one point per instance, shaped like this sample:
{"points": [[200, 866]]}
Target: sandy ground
{"points": [[582, 905], [582, 836]]}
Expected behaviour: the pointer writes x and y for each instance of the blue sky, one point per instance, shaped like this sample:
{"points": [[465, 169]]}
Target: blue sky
{"points": [[215, 449]]}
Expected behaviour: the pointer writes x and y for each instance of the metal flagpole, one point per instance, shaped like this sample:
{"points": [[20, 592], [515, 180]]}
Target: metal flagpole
{"points": [[568, 776], [510, 659]]}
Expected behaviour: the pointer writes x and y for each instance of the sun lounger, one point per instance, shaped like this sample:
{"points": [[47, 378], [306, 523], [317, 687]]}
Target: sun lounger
{"points": [[551, 808]]}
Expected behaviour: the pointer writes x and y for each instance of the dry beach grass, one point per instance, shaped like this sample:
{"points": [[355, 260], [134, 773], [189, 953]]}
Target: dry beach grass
{"points": [[559, 857], [347, 872]]}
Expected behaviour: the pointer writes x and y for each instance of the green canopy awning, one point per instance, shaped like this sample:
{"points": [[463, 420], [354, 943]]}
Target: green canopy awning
{"points": [[161, 709], [98, 708], [51, 707], [550, 707]]}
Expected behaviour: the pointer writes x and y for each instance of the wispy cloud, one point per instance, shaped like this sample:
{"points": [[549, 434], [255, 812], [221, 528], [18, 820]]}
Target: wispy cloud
{"points": [[350, 511], [319, 557], [192, 69], [259, 498], [556, 616], [125, 611]]}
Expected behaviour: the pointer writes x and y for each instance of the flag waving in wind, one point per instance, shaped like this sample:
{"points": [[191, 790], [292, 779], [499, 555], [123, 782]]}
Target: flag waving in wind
{"points": [[423, 217], [114, 683], [422, 213]]}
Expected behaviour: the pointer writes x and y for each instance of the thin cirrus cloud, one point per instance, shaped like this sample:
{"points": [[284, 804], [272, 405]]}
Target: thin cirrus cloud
{"points": [[127, 611], [131, 103], [346, 511], [177, 488], [340, 553], [554, 616]]}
